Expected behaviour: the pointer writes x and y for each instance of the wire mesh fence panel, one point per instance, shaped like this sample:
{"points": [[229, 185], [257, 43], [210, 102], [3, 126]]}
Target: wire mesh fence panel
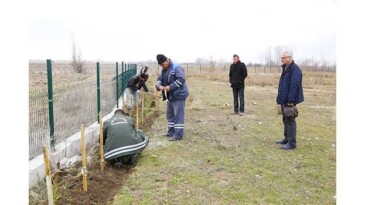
{"points": [[74, 102], [38, 108], [125, 72], [107, 87], [75, 98]]}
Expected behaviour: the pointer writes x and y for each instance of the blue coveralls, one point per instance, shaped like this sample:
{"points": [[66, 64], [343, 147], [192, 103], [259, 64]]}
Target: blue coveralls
{"points": [[175, 109]]}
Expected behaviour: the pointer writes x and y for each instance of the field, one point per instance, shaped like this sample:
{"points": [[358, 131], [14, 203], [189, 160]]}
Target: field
{"points": [[230, 159]]}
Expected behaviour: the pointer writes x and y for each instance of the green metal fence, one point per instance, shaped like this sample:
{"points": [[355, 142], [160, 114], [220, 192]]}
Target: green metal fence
{"points": [[73, 98], [128, 70]]}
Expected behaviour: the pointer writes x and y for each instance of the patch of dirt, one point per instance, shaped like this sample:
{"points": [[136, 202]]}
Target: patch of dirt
{"points": [[101, 186]]}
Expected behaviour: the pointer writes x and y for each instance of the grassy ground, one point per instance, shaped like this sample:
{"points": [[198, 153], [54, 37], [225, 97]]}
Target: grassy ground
{"points": [[229, 159]]}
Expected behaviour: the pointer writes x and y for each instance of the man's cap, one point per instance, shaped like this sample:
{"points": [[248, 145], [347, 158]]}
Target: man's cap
{"points": [[117, 109], [161, 58]]}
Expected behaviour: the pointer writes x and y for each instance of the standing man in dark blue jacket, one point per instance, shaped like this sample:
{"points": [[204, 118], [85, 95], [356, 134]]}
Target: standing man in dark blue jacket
{"points": [[290, 93], [172, 83], [237, 76]]}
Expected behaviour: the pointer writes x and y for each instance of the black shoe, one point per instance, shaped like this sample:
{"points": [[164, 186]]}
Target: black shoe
{"points": [[281, 141], [174, 139], [288, 146], [118, 164]]}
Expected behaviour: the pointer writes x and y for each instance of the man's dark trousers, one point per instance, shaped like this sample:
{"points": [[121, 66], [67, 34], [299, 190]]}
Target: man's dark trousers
{"points": [[290, 129], [238, 92]]}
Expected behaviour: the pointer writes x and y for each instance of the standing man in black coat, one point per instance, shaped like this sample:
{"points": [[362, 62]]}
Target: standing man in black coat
{"points": [[237, 76]]}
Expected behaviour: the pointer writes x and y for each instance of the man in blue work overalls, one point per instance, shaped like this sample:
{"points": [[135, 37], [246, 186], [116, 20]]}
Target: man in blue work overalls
{"points": [[171, 82]]}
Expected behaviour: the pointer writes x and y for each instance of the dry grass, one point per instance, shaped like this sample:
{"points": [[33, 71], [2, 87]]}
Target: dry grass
{"points": [[257, 77]]}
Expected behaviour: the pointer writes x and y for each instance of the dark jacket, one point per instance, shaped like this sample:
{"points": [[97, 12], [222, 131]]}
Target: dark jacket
{"points": [[135, 83], [120, 137], [237, 75], [290, 88], [175, 78]]}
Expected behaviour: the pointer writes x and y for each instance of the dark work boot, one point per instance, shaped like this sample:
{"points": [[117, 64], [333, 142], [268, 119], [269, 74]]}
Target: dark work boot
{"points": [[288, 146], [283, 141], [174, 139]]}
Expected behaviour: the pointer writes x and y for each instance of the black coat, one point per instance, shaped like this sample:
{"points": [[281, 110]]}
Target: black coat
{"points": [[237, 75], [135, 83]]}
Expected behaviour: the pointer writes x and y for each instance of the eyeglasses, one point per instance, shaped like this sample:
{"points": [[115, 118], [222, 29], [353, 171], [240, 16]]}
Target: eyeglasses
{"points": [[282, 58]]}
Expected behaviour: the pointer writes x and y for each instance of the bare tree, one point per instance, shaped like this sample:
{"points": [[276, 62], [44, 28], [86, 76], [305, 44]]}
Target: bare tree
{"points": [[222, 64], [315, 64], [306, 63], [333, 65], [277, 54], [268, 58], [212, 63], [261, 57], [199, 61], [77, 62]]}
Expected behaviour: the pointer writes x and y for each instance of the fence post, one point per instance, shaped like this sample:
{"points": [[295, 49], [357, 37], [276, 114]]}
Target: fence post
{"points": [[50, 101], [122, 78], [98, 87], [142, 109], [116, 83], [187, 71], [137, 105], [47, 168], [156, 92], [121, 83], [83, 156], [101, 142]]}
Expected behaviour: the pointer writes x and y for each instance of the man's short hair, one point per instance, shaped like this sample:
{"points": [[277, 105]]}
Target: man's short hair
{"points": [[287, 53], [235, 55], [143, 76]]}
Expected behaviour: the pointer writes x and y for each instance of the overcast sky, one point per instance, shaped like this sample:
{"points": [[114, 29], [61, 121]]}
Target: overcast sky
{"points": [[182, 30]]}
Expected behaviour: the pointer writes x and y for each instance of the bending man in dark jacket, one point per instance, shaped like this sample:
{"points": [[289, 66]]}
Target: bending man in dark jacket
{"points": [[137, 82], [122, 143], [134, 84], [290, 93], [237, 76]]}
